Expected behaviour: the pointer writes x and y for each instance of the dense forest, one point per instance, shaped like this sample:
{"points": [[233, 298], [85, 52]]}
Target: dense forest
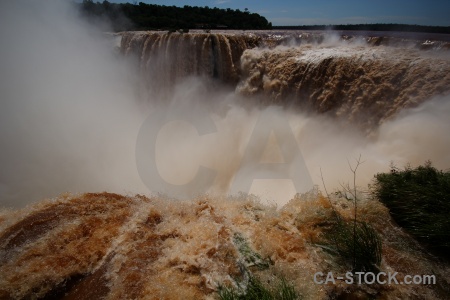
{"points": [[372, 27], [143, 16]]}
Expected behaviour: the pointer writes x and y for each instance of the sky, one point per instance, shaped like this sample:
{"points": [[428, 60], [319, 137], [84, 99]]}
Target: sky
{"points": [[325, 12]]}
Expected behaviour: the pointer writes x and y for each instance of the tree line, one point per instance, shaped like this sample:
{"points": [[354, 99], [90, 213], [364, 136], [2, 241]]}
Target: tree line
{"points": [[142, 16], [372, 27]]}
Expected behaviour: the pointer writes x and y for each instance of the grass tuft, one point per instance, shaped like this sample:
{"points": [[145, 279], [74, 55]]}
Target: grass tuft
{"points": [[250, 287], [355, 242], [359, 246], [255, 290]]}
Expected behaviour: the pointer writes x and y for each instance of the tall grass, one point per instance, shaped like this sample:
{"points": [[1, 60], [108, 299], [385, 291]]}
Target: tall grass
{"points": [[355, 243], [419, 201]]}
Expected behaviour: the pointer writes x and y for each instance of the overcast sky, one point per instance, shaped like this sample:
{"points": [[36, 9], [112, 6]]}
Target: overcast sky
{"points": [[307, 12]]}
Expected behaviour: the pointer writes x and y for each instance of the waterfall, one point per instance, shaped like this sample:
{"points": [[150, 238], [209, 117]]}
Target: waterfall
{"points": [[166, 57], [364, 80]]}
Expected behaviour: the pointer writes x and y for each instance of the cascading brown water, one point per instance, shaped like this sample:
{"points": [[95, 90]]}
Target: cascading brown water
{"points": [[361, 84], [354, 79], [165, 58], [109, 246]]}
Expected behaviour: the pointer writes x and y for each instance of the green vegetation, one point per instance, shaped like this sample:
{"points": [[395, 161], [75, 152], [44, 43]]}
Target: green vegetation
{"points": [[250, 287], [419, 201], [250, 258], [356, 243], [127, 16], [372, 27], [255, 290], [357, 246]]}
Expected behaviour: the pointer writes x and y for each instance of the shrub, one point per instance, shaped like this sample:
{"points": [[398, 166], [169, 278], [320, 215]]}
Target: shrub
{"points": [[419, 201]]}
